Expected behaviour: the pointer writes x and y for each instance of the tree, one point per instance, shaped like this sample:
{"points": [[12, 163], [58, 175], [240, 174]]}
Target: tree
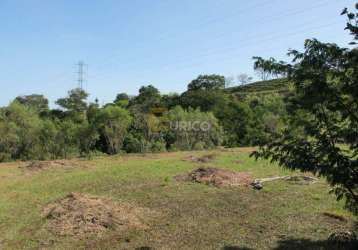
{"points": [[39, 103], [122, 100], [322, 131], [121, 97], [205, 92], [235, 118], [114, 122], [205, 100], [352, 23], [21, 126], [86, 135], [170, 100], [244, 79], [268, 69], [229, 82], [148, 98], [75, 102], [207, 82], [192, 129]]}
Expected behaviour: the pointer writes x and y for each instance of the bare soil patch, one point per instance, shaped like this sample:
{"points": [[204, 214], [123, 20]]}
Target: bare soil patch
{"points": [[81, 215], [201, 159], [217, 177]]}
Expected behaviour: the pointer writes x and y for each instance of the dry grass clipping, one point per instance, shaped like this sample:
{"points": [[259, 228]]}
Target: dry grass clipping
{"points": [[217, 177], [82, 215]]}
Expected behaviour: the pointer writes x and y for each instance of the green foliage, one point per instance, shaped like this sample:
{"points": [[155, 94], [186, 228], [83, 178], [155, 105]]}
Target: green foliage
{"points": [[66, 137], [207, 82], [49, 140], [87, 136], [75, 102], [235, 118], [21, 125], [134, 144], [267, 69], [352, 24], [148, 98], [187, 128], [113, 123], [324, 115], [158, 146], [39, 103], [205, 100], [122, 100], [136, 125]]}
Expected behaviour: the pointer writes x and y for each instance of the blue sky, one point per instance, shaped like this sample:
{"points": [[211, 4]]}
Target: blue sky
{"points": [[131, 43]]}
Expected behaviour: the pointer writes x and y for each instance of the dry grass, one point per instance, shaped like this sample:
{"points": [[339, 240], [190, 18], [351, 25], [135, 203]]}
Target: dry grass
{"points": [[82, 215]]}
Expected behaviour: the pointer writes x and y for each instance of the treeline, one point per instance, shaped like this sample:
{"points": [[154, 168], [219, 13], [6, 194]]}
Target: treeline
{"points": [[204, 116]]}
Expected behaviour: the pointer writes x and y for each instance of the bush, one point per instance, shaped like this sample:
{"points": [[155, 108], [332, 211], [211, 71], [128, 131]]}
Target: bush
{"points": [[188, 128], [158, 146]]}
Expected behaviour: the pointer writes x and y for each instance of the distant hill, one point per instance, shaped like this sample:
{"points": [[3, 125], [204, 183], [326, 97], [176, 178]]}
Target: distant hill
{"points": [[280, 86]]}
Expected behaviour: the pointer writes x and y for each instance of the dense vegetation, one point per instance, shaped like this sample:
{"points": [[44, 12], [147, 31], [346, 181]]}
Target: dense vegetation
{"points": [[205, 116]]}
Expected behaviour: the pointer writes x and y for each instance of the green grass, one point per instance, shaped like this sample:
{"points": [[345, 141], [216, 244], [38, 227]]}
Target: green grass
{"points": [[191, 216]]}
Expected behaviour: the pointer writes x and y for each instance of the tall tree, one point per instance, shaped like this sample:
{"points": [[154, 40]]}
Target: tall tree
{"points": [[39, 103], [75, 101], [322, 134], [114, 122], [207, 82], [122, 100], [244, 79], [148, 98]]}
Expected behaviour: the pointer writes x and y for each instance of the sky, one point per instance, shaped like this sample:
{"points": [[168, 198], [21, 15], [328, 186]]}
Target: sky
{"points": [[166, 43]]}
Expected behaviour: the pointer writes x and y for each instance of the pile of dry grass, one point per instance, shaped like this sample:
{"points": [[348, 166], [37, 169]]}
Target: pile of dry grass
{"points": [[217, 177], [81, 215]]}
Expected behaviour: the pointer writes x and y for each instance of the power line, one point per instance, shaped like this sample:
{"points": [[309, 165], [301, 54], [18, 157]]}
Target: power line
{"points": [[196, 26], [182, 62], [81, 73], [264, 20]]}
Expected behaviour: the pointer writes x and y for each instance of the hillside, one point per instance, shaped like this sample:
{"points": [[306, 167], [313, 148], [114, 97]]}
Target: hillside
{"points": [[280, 86]]}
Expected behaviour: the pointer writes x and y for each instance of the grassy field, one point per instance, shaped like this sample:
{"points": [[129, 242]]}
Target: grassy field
{"points": [[190, 215]]}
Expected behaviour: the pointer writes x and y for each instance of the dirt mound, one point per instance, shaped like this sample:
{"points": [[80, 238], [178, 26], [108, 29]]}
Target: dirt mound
{"points": [[201, 159], [217, 177], [44, 165], [80, 215]]}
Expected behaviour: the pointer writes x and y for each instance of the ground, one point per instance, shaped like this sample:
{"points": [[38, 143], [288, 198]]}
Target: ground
{"points": [[186, 215]]}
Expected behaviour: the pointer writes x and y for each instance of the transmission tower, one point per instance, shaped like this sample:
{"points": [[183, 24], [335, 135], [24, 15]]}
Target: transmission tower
{"points": [[81, 73]]}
